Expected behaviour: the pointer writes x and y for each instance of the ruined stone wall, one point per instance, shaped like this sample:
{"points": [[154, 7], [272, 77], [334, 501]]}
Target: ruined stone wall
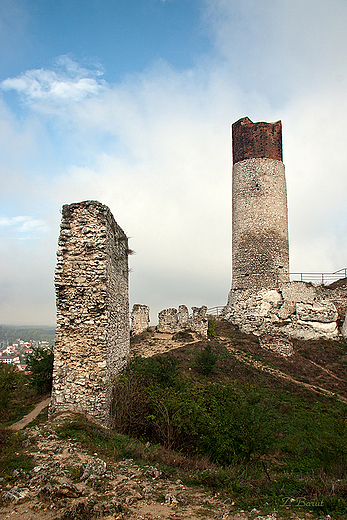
{"points": [[139, 318], [296, 309], [172, 321], [92, 337], [260, 249]]}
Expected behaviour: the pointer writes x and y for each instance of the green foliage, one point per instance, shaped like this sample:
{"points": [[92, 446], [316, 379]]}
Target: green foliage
{"points": [[206, 360], [152, 400], [10, 378], [10, 382], [11, 453], [211, 329], [40, 365]]}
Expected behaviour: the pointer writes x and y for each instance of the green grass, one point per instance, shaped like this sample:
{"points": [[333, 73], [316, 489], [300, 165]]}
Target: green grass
{"points": [[11, 454]]}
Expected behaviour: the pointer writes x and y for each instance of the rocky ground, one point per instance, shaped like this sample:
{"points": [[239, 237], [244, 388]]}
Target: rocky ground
{"points": [[67, 483]]}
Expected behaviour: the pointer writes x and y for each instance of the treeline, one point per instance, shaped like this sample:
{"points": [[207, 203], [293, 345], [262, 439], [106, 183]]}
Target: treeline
{"points": [[27, 334]]}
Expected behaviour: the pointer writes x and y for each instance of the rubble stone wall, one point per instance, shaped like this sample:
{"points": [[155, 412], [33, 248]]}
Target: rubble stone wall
{"points": [[172, 321], [295, 309], [139, 318], [92, 336]]}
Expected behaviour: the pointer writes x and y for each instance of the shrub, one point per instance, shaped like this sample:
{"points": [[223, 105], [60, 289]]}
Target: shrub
{"points": [[214, 420], [206, 360], [211, 329], [10, 381]]}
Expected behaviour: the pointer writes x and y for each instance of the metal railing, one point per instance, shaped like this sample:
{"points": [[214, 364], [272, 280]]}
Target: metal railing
{"points": [[215, 311], [319, 278]]}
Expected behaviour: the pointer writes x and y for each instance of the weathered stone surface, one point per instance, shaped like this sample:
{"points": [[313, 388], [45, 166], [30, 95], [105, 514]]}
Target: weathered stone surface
{"points": [[139, 319], [279, 344], [322, 311], [296, 310], [170, 321], [260, 247], [344, 328], [92, 337], [198, 322], [94, 468]]}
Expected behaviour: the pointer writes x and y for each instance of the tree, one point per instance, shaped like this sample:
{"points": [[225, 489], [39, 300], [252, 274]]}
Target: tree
{"points": [[40, 366]]}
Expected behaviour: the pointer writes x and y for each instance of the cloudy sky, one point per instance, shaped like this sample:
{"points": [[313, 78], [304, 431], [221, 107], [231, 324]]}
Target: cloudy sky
{"points": [[130, 102]]}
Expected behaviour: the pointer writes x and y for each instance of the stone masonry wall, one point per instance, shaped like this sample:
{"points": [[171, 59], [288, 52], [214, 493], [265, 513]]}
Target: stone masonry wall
{"points": [[139, 319], [92, 337], [172, 321], [260, 224]]}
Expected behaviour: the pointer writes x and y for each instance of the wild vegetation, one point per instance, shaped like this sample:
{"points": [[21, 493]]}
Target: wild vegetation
{"points": [[271, 439], [207, 417]]}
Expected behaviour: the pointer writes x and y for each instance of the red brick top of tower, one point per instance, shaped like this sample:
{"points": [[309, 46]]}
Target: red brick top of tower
{"points": [[251, 140]]}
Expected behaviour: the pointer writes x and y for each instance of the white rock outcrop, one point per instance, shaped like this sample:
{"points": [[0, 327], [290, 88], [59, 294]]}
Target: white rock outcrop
{"points": [[295, 309]]}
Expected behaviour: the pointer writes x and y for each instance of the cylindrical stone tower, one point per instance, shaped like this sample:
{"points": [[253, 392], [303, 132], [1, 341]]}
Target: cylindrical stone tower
{"points": [[260, 250]]}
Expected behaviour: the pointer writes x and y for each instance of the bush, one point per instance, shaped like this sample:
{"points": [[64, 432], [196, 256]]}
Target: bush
{"points": [[211, 329], [152, 401], [40, 366], [206, 360]]}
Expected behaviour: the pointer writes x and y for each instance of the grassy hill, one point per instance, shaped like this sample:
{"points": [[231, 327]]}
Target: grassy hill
{"points": [[253, 427]]}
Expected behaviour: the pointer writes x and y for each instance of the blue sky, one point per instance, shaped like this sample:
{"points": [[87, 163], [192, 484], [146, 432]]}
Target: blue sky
{"points": [[130, 103]]}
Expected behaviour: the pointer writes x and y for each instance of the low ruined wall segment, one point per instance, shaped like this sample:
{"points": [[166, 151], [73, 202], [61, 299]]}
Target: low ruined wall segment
{"points": [[92, 337], [171, 321], [139, 319]]}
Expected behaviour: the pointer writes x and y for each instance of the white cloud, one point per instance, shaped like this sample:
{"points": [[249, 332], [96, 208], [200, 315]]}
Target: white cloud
{"points": [[48, 90], [25, 226]]}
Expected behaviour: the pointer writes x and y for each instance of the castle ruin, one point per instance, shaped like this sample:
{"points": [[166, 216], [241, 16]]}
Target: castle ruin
{"points": [[139, 319], [262, 300], [260, 250], [92, 336]]}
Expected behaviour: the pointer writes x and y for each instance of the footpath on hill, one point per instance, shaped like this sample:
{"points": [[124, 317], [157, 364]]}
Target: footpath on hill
{"points": [[27, 419]]}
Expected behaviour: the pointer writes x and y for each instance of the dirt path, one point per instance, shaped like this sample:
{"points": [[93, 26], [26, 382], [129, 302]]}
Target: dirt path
{"points": [[31, 416]]}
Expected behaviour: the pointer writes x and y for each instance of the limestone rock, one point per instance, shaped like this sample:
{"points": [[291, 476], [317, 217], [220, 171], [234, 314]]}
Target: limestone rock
{"points": [[296, 310], [323, 311], [344, 328], [94, 468]]}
